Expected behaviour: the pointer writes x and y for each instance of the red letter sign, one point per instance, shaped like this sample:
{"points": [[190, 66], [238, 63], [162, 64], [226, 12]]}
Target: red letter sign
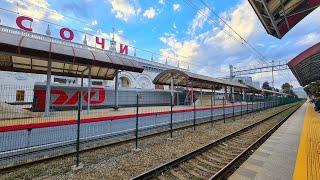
{"points": [[123, 49], [19, 21], [71, 35], [102, 43]]}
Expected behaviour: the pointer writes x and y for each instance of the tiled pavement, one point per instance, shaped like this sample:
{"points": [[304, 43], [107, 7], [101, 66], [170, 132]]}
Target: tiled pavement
{"points": [[275, 158]]}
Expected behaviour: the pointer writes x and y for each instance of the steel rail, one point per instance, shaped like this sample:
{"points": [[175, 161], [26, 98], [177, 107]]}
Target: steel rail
{"points": [[151, 173]]}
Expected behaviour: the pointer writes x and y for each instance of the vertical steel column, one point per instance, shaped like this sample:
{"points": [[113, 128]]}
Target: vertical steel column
{"points": [[78, 123], [137, 122], [224, 113], [48, 89], [194, 116], [89, 91], [241, 99], [201, 96], [171, 105], [211, 108], [191, 95], [116, 91], [214, 96], [232, 95], [247, 104]]}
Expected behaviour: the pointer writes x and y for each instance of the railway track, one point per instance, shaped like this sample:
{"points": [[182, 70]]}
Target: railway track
{"points": [[219, 158]]}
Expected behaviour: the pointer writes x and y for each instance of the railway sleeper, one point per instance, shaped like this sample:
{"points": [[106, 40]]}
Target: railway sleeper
{"points": [[214, 165], [227, 153], [192, 171]]}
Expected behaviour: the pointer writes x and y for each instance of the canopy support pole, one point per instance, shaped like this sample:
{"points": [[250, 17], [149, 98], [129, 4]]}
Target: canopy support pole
{"points": [[48, 90], [89, 91], [201, 96], [171, 89], [116, 91], [191, 95]]}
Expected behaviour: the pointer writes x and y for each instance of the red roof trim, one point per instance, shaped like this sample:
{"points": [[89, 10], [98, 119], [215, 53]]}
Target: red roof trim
{"points": [[304, 55]]}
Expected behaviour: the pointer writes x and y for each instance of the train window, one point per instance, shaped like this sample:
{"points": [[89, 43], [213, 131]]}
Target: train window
{"points": [[20, 95], [97, 83], [60, 80]]}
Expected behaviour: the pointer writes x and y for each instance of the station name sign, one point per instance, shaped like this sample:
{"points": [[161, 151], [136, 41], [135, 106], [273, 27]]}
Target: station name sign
{"points": [[67, 34]]}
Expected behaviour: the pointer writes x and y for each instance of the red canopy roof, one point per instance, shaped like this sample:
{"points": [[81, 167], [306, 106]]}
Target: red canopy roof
{"points": [[306, 65]]}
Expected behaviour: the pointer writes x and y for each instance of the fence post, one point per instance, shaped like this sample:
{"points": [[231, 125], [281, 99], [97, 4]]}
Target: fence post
{"points": [[137, 124], [233, 111], [78, 124], [224, 114], [247, 105], [211, 109], [241, 107], [194, 116], [171, 120], [252, 104]]}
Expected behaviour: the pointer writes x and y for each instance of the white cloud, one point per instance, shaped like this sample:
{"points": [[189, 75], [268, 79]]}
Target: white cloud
{"points": [[243, 20], [187, 48], [161, 1], [123, 9], [150, 13], [176, 7], [199, 20], [174, 26], [309, 39], [39, 9], [94, 22]]}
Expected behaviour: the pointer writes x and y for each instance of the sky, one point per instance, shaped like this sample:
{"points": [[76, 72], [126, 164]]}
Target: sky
{"points": [[184, 32]]}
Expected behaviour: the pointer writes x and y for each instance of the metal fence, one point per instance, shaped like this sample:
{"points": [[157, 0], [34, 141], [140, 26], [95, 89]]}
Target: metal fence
{"points": [[27, 135]]}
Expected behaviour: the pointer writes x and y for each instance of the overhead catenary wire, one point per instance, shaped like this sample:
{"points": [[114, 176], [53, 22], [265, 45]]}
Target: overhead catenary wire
{"points": [[243, 41]]}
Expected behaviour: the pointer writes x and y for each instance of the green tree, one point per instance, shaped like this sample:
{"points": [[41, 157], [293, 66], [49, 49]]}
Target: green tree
{"points": [[266, 85]]}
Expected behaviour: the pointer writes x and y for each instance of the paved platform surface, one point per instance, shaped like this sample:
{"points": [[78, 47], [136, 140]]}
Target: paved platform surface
{"points": [[308, 158], [275, 158]]}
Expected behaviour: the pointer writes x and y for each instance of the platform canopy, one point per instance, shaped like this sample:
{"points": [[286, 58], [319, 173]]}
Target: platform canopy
{"points": [[188, 79], [280, 16], [264, 91], [306, 66], [21, 53]]}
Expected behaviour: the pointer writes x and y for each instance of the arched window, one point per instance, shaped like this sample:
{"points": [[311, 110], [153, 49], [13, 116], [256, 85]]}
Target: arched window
{"points": [[124, 82]]}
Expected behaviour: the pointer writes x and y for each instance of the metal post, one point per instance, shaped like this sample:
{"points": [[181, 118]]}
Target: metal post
{"points": [[241, 108], [171, 120], [194, 116], [214, 97], [201, 96], [211, 109], [48, 90], [224, 113], [89, 91], [191, 95], [232, 96], [78, 123], [233, 111], [116, 91], [137, 122], [247, 105]]}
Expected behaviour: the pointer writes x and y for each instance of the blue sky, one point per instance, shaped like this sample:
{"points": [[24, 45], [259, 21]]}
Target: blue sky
{"points": [[183, 29]]}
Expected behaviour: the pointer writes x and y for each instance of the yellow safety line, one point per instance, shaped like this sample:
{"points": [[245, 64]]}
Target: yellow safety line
{"points": [[307, 165]]}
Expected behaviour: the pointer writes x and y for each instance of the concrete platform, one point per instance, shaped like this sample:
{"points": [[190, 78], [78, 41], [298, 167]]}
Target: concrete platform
{"points": [[275, 159]]}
